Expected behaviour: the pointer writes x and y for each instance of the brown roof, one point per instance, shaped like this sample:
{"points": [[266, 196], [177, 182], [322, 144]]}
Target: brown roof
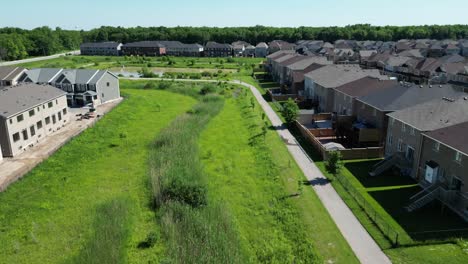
{"points": [[365, 86], [292, 60], [298, 76], [453, 136], [279, 54], [9, 73]]}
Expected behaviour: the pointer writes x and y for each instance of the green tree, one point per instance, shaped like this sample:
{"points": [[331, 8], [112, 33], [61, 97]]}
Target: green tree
{"points": [[290, 111], [334, 163]]}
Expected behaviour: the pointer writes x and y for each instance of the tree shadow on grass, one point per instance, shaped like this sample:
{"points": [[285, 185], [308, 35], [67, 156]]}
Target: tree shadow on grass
{"points": [[431, 217]]}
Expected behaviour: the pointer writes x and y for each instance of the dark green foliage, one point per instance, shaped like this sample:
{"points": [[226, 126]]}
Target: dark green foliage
{"points": [[290, 111], [208, 88], [334, 163]]}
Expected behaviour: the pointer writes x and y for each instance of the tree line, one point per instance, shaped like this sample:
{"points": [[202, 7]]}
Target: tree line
{"points": [[18, 43]]}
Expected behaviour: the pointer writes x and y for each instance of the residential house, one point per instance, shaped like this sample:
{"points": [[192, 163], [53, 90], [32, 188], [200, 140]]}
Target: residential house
{"points": [[277, 45], [320, 83], [364, 56], [275, 64], [101, 49], [272, 57], [451, 49], [238, 48], [464, 48], [144, 48], [83, 86], [213, 49], [406, 126], [343, 56], [261, 50], [177, 48], [29, 113], [249, 51], [372, 109], [436, 50], [10, 75], [293, 76], [442, 166], [346, 94]]}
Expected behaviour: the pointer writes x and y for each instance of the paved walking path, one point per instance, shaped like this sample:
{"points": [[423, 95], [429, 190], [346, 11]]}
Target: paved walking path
{"points": [[362, 244], [8, 63]]}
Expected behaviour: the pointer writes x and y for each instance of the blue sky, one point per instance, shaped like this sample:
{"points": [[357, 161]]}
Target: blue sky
{"points": [[86, 14]]}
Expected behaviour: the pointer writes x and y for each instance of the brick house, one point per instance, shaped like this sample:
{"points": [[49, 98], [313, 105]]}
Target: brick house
{"points": [[101, 49], [146, 48], [214, 49]]}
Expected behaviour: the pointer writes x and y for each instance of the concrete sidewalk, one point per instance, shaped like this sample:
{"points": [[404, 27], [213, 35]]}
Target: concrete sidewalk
{"points": [[12, 169], [365, 248]]}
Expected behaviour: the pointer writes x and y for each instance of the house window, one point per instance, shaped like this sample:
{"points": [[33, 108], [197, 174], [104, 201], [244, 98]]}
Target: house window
{"points": [[375, 112], [363, 106], [31, 113], [11, 121], [39, 125], [64, 111], [47, 120], [436, 146], [54, 119], [20, 118], [33, 131], [16, 137], [458, 157], [400, 145], [392, 121], [56, 101], [108, 84], [403, 128], [25, 134], [390, 140], [102, 95], [412, 131], [50, 104], [59, 114]]}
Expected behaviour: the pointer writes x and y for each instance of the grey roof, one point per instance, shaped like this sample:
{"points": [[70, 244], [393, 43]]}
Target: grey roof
{"points": [[332, 76], [109, 44], [280, 53], [215, 45], [20, 98], [404, 95], [367, 53], [262, 45], [307, 61], [40, 75], [9, 73], [435, 114], [80, 76]]}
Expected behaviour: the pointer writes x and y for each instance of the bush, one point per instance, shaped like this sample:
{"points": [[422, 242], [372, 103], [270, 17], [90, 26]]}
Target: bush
{"points": [[334, 163], [150, 85], [207, 89]]}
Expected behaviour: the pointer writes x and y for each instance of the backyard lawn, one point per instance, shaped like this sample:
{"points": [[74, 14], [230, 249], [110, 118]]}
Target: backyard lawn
{"points": [[55, 212]]}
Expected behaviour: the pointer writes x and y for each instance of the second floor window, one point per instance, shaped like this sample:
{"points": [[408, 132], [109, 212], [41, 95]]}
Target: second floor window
{"points": [[19, 118], [436, 146], [458, 157], [400, 145]]}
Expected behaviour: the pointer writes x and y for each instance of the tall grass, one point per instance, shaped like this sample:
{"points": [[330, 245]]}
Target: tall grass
{"points": [[195, 230], [111, 234]]}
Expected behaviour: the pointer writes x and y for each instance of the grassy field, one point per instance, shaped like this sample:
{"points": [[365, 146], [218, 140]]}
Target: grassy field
{"points": [[277, 215], [54, 214], [109, 62]]}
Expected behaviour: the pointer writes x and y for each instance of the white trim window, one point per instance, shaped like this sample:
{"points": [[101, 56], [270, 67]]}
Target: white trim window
{"points": [[412, 131], [436, 146], [392, 121], [375, 112], [403, 127], [400, 145], [458, 157], [390, 140]]}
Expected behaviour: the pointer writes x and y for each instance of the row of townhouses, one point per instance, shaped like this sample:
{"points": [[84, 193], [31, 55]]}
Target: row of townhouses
{"points": [[176, 48], [418, 127], [35, 103]]}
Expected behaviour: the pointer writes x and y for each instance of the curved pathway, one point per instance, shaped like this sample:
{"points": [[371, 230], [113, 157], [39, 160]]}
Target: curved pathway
{"points": [[362, 244], [8, 63]]}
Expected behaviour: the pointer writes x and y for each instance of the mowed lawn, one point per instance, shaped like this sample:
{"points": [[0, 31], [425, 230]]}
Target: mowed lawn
{"points": [[48, 216], [259, 187]]}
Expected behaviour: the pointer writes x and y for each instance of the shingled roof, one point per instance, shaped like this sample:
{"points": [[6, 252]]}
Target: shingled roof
{"points": [[20, 98], [453, 136], [332, 76]]}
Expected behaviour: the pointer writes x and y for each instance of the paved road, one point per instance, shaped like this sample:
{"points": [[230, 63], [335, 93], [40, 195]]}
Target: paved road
{"points": [[364, 247], [8, 63]]}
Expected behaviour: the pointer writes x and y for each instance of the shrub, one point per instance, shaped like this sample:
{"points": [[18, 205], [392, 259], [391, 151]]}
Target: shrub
{"points": [[150, 85], [334, 163], [207, 89], [290, 111]]}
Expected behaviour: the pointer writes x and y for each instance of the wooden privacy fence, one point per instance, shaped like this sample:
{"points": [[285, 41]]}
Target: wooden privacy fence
{"points": [[313, 137]]}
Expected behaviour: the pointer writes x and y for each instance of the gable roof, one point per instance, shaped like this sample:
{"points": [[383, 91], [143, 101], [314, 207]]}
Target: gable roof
{"points": [[298, 75], [280, 53], [144, 44], [453, 136], [435, 114], [20, 98], [365, 86], [215, 45], [405, 95], [332, 76], [10, 73], [40, 75], [306, 61], [79, 76]]}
